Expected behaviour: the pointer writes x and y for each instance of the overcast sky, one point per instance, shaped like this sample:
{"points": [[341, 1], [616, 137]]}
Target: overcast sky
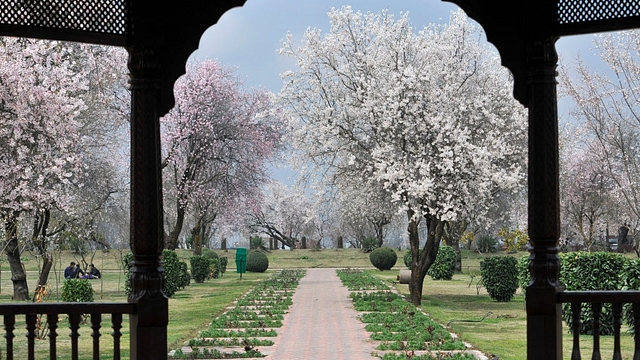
{"points": [[248, 37]]}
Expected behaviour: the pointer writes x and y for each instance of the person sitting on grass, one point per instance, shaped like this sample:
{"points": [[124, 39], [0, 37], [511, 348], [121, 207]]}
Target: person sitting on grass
{"points": [[94, 273], [72, 271]]}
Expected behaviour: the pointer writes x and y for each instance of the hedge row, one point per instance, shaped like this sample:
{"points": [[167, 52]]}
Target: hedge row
{"points": [[581, 271]]}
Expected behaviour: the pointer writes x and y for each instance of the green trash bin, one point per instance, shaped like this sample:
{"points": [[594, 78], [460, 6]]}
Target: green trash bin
{"points": [[241, 261]]}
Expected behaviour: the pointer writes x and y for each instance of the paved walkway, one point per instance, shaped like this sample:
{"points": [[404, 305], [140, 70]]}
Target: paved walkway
{"points": [[322, 324]]}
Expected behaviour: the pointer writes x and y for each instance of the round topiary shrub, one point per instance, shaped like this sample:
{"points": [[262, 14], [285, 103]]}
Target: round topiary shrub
{"points": [[257, 261], [209, 254], [383, 258], [445, 265], [500, 277], [77, 290], [408, 258]]}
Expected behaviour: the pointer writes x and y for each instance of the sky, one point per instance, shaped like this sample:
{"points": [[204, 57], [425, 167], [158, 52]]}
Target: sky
{"points": [[248, 37]]}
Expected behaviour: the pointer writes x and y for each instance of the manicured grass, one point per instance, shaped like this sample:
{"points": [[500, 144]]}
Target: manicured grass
{"points": [[502, 333]]}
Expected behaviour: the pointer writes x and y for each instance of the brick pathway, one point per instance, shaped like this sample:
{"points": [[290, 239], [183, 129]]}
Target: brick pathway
{"points": [[322, 324]]}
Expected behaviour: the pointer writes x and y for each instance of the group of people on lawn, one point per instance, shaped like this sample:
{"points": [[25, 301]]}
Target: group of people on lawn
{"points": [[72, 272]]}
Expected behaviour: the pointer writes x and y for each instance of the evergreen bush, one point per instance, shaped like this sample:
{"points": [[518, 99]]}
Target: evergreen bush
{"points": [[257, 261], [383, 258], [630, 281], [499, 277], [77, 290], [222, 263], [209, 254], [524, 276], [444, 266], [173, 272], [126, 263], [369, 244], [214, 268], [486, 244], [591, 271], [408, 258], [200, 268], [185, 277]]}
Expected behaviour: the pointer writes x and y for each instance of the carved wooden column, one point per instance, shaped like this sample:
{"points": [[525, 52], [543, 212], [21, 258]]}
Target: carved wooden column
{"points": [[149, 325], [544, 315]]}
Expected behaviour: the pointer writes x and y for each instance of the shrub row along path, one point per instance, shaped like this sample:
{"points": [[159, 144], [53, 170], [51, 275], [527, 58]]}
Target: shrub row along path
{"points": [[322, 323]]}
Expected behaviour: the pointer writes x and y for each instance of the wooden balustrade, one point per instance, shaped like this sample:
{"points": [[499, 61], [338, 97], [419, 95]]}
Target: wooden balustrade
{"points": [[75, 312], [597, 299]]}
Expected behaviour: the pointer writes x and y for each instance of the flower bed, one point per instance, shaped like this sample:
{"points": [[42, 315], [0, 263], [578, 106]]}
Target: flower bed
{"points": [[237, 333], [402, 330]]}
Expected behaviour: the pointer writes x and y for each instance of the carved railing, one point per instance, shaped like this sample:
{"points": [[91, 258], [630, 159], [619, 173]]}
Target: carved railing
{"points": [[75, 312], [597, 299]]}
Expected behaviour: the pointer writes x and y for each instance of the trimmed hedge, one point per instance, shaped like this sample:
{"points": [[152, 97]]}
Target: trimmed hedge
{"points": [[200, 268], [77, 290], [257, 261], [591, 271], [222, 264], [444, 266], [524, 276], [383, 258], [175, 275], [499, 277], [209, 254]]}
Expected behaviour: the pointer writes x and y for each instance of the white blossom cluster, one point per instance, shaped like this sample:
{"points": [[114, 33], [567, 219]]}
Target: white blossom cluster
{"points": [[428, 114]]}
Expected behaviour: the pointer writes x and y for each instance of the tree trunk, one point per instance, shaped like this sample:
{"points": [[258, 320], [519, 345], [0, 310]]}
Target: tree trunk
{"points": [[340, 242], [18, 276], [39, 238], [455, 244], [421, 261], [417, 279], [197, 232], [47, 263], [171, 240]]}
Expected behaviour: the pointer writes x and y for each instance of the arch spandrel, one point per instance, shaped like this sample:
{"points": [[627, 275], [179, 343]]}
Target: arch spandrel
{"points": [[171, 28], [176, 31], [514, 26]]}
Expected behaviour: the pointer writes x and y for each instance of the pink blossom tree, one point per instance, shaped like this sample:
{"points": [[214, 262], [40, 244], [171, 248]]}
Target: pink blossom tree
{"points": [[218, 141], [428, 114], [45, 108]]}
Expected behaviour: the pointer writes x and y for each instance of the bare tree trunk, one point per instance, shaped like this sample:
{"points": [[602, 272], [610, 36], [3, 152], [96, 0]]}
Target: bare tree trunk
{"points": [[197, 234], [421, 261], [47, 263], [416, 281], [39, 238], [18, 276], [171, 240]]}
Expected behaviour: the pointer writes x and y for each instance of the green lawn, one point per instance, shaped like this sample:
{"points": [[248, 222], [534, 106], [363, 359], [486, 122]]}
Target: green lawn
{"points": [[457, 302]]}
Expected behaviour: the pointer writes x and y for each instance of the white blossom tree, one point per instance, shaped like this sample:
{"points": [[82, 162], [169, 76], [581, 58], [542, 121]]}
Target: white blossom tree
{"points": [[286, 215], [607, 107], [428, 114]]}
